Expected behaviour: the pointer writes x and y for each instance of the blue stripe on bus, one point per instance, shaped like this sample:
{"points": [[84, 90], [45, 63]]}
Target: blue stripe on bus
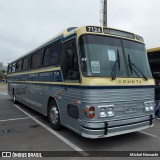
{"points": [[51, 76], [108, 87], [102, 87]]}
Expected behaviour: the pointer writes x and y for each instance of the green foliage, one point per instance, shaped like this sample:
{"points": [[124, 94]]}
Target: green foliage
{"points": [[2, 74], [2, 71]]}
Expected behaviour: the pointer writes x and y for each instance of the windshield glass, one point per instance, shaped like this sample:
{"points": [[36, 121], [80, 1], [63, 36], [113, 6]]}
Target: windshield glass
{"points": [[99, 54], [138, 57]]}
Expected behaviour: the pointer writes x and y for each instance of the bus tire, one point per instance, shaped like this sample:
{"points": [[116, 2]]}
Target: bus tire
{"points": [[53, 115], [14, 97]]}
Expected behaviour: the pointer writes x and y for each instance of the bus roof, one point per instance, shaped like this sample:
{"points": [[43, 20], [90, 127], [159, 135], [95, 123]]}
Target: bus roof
{"points": [[72, 31], [153, 49]]}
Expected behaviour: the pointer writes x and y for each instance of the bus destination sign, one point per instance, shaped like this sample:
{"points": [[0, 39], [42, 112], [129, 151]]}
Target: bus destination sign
{"points": [[94, 29]]}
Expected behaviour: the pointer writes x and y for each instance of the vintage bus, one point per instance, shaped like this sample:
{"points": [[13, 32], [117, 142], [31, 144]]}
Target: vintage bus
{"points": [[93, 80]]}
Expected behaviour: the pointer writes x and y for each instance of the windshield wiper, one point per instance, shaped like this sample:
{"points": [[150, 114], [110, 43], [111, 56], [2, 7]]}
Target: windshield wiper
{"points": [[133, 67], [114, 69]]}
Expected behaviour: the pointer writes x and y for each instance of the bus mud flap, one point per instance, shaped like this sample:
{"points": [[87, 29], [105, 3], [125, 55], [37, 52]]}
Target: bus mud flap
{"points": [[106, 128]]}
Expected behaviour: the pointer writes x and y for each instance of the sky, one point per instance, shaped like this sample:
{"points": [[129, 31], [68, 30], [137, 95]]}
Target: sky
{"points": [[26, 24]]}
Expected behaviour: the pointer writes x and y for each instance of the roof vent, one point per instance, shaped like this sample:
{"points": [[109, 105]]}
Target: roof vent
{"points": [[71, 29]]}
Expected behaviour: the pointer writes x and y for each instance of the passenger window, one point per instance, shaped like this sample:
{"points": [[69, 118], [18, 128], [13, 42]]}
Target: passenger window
{"points": [[18, 65], [26, 63], [9, 68], [13, 67], [55, 54], [36, 60], [46, 60], [51, 54]]}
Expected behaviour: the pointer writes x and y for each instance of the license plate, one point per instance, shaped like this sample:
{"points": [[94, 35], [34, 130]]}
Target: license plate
{"points": [[130, 109]]}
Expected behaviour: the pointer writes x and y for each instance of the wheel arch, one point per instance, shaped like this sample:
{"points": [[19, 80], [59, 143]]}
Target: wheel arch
{"points": [[49, 100], [52, 98]]}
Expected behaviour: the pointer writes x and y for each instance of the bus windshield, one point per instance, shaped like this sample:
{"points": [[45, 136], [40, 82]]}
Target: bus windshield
{"points": [[101, 56]]}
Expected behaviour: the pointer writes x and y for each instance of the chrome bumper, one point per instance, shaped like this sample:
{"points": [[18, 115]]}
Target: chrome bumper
{"points": [[117, 127]]}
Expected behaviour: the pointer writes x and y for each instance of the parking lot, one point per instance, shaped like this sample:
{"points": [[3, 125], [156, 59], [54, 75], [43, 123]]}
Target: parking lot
{"points": [[22, 129]]}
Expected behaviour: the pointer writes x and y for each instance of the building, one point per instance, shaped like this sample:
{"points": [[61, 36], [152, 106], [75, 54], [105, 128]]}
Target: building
{"points": [[1, 66]]}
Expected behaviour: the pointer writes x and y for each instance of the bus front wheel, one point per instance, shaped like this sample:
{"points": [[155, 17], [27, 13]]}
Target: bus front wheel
{"points": [[54, 115]]}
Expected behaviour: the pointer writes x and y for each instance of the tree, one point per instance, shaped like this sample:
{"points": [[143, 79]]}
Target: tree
{"points": [[2, 74], [3, 71]]}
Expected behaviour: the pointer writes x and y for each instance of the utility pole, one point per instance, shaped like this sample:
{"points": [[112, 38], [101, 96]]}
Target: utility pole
{"points": [[103, 12]]}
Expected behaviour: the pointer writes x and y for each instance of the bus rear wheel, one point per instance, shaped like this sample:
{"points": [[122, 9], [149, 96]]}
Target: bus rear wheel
{"points": [[53, 115]]}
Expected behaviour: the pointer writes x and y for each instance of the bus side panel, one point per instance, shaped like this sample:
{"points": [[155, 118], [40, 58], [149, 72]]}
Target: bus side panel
{"points": [[10, 89], [34, 96], [72, 108], [64, 97], [27, 95]]}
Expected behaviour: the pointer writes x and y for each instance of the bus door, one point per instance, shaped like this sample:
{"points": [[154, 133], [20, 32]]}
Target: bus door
{"points": [[69, 64]]}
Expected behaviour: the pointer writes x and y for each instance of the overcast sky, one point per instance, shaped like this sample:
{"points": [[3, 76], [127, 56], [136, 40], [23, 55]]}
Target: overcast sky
{"points": [[25, 24]]}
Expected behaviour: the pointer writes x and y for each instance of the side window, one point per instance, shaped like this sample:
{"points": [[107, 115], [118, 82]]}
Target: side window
{"points": [[18, 65], [46, 58], [25, 63], [54, 59], [13, 67], [9, 68], [70, 61], [36, 60], [51, 54]]}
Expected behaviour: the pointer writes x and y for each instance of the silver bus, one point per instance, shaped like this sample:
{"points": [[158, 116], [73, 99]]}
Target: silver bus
{"points": [[93, 80]]}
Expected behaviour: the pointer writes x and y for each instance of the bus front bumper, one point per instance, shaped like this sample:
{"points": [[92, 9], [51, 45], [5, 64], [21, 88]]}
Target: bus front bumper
{"points": [[112, 128]]}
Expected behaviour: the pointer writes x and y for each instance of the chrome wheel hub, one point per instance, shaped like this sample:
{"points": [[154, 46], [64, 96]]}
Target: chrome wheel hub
{"points": [[54, 115]]}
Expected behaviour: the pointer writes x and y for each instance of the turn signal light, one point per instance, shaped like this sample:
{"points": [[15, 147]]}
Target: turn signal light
{"points": [[154, 105], [91, 112]]}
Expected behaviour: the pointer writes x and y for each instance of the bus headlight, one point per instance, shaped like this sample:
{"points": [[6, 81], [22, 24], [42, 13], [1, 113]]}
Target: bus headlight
{"points": [[149, 106], [106, 111], [152, 106], [110, 112], [102, 112]]}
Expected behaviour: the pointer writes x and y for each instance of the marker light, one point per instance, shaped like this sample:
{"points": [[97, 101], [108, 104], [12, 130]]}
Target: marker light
{"points": [[154, 105]]}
